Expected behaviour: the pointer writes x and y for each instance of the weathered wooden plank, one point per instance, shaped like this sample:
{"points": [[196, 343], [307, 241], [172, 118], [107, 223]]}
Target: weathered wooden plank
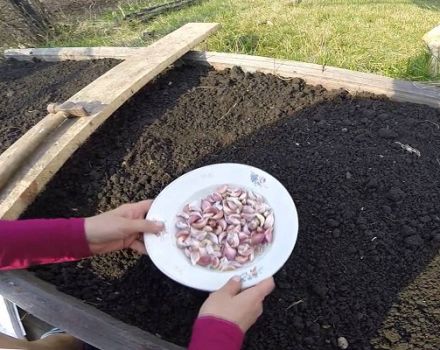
{"points": [[101, 98], [83, 321], [329, 77], [55, 54]]}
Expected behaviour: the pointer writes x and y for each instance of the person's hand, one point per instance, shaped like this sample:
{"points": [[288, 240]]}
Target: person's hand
{"points": [[121, 228], [242, 308]]}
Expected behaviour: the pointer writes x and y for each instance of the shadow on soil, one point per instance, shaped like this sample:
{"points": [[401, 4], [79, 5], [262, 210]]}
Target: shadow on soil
{"points": [[359, 197]]}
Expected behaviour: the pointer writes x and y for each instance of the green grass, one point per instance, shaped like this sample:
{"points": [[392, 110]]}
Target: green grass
{"points": [[379, 36]]}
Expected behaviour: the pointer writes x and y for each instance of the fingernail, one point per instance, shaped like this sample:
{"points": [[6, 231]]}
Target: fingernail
{"points": [[236, 278], [159, 224]]}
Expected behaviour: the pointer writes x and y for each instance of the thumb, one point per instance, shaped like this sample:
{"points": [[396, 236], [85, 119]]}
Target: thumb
{"points": [[141, 225], [232, 287]]}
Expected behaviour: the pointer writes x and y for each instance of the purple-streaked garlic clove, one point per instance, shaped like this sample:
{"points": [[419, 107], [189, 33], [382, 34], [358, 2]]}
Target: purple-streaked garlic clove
{"points": [[222, 236], [199, 235], [247, 209], [212, 237], [254, 224], [245, 229], [182, 241], [232, 239], [233, 219], [242, 236], [241, 259], [248, 217], [269, 235], [182, 233], [218, 205], [181, 225], [210, 250], [205, 205], [195, 257], [258, 238], [208, 228], [219, 215], [223, 224], [200, 223], [194, 217], [269, 221], [217, 197], [205, 260], [183, 216], [215, 262], [229, 252], [222, 189], [186, 209], [245, 249], [187, 252], [243, 196], [218, 230], [195, 206]]}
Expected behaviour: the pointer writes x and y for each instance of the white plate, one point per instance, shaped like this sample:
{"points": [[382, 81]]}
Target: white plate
{"points": [[199, 183]]}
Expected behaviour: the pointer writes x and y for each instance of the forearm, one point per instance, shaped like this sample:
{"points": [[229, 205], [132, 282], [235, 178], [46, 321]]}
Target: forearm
{"points": [[33, 242], [215, 334]]}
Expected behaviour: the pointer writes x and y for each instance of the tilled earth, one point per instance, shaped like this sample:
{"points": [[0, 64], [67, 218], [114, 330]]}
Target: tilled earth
{"points": [[366, 264], [26, 88]]}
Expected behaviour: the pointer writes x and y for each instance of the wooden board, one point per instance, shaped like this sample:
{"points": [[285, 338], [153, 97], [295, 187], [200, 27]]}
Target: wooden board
{"points": [[329, 77], [56, 54], [75, 317], [101, 97]]}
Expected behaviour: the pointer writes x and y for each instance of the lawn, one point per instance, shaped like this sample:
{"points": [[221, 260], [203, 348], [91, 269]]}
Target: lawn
{"points": [[380, 36]]}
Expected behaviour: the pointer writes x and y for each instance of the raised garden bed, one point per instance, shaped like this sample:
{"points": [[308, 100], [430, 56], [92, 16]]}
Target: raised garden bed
{"points": [[365, 265]]}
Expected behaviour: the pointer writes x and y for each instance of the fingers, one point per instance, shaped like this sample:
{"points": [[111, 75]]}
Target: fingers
{"points": [[139, 247], [135, 210], [142, 225], [232, 287], [261, 290]]}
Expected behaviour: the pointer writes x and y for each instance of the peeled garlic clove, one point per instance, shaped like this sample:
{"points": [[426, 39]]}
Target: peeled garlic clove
{"points": [[229, 252], [269, 221]]}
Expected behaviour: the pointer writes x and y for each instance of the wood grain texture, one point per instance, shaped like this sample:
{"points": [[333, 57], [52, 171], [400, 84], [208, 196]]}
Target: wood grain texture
{"points": [[100, 98], [75, 317]]}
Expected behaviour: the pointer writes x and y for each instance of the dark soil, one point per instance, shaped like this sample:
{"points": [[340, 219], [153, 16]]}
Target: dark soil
{"points": [[27, 88], [366, 264]]}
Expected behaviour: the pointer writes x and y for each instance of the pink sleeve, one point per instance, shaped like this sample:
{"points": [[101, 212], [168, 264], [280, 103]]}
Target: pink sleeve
{"points": [[33, 242], [215, 334]]}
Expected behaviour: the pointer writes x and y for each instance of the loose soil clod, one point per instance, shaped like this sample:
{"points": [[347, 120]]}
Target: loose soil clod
{"points": [[368, 210]]}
